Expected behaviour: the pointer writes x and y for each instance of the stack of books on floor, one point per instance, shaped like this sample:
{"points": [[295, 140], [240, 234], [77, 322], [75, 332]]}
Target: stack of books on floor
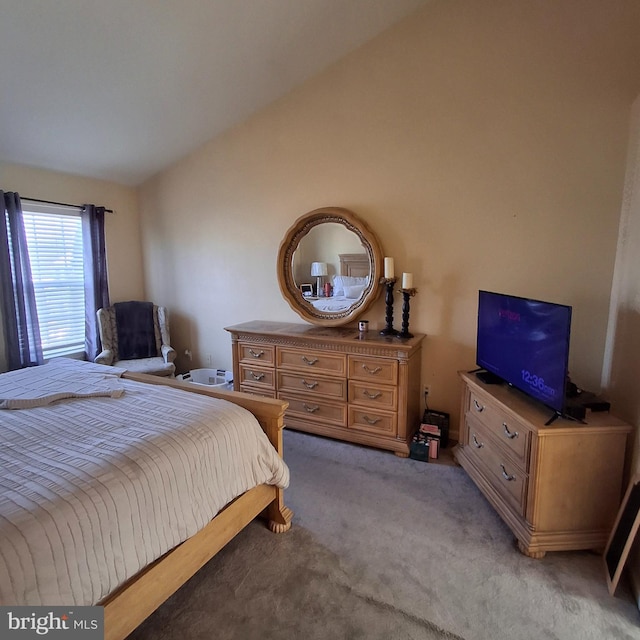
{"points": [[432, 434]]}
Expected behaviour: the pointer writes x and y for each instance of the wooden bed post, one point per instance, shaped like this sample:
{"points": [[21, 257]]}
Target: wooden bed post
{"points": [[277, 514]]}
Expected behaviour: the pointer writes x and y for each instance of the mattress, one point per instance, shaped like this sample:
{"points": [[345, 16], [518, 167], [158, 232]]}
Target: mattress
{"points": [[100, 476]]}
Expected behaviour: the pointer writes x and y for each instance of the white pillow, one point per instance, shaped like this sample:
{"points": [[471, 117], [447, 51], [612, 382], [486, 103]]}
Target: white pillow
{"points": [[353, 291], [339, 283]]}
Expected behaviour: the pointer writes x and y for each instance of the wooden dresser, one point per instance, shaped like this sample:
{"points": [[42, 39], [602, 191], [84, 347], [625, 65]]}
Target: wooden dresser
{"points": [[339, 383], [557, 486]]}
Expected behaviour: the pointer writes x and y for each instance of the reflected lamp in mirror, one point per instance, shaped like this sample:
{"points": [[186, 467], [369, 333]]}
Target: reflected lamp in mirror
{"points": [[318, 270]]}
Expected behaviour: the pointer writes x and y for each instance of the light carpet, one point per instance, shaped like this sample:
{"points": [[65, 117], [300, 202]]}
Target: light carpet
{"points": [[388, 548]]}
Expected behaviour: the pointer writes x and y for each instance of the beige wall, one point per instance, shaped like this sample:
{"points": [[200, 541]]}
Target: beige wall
{"points": [[621, 370], [122, 228], [484, 143]]}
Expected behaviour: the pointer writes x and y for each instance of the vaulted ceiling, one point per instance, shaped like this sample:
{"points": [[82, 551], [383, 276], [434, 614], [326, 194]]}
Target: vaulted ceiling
{"points": [[121, 89]]}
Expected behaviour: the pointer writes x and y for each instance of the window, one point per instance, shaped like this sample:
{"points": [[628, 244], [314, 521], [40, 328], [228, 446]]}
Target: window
{"points": [[54, 239]]}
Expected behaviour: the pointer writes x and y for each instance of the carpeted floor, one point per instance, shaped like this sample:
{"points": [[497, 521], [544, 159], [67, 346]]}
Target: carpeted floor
{"points": [[388, 548]]}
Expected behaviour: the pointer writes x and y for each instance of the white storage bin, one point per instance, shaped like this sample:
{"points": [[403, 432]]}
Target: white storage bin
{"points": [[209, 377]]}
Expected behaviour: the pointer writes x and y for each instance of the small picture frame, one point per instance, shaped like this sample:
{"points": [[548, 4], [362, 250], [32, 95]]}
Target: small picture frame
{"points": [[306, 290]]}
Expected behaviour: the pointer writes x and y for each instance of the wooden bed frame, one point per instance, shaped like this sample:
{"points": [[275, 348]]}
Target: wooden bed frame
{"points": [[132, 603], [354, 264]]}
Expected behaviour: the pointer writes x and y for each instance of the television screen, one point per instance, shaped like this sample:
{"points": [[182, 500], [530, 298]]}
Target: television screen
{"points": [[525, 343]]}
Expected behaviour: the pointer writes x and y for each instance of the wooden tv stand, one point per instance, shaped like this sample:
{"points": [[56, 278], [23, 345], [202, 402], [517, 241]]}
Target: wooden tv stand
{"points": [[557, 486]]}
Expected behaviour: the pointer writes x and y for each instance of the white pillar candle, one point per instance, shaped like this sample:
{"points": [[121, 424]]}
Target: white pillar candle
{"points": [[407, 280], [388, 268]]}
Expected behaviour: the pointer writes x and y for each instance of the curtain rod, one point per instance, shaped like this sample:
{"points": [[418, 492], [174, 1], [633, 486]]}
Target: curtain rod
{"points": [[61, 204]]}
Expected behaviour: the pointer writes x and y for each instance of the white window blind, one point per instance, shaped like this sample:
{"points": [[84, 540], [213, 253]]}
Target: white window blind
{"points": [[54, 238]]}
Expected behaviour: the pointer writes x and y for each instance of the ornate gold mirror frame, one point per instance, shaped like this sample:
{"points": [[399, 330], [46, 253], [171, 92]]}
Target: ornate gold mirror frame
{"points": [[317, 309]]}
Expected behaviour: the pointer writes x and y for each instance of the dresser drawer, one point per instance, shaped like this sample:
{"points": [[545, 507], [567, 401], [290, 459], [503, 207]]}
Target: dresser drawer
{"points": [[318, 411], [315, 386], [514, 435], [372, 420], [506, 476], [378, 369], [251, 353], [311, 360], [258, 391], [257, 377], [373, 395]]}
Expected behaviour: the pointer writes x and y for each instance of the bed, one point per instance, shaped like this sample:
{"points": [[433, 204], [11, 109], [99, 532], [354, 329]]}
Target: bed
{"points": [[115, 488], [332, 304], [348, 285]]}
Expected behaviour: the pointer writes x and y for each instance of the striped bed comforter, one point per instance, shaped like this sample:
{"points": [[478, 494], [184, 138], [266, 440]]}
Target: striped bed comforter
{"points": [[95, 486]]}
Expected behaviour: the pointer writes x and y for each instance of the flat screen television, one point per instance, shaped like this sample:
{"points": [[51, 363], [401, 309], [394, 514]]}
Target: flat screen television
{"points": [[525, 343]]}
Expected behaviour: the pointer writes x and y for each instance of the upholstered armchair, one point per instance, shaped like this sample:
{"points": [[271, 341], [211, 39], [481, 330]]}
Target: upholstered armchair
{"points": [[135, 336]]}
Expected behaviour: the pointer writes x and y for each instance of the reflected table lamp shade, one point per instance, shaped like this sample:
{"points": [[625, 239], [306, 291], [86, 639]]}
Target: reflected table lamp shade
{"points": [[319, 269]]}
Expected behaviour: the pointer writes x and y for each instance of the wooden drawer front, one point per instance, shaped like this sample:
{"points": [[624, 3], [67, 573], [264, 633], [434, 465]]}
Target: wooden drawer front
{"points": [[310, 409], [256, 391], [257, 377], [311, 360], [372, 420], [319, 388], [367, 368], [262, 355], [373, 395], [506, 476], [510, 432]]}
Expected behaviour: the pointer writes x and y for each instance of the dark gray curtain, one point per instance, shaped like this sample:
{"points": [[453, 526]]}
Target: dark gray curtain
{"points": [[21, 329], [96, 287]]}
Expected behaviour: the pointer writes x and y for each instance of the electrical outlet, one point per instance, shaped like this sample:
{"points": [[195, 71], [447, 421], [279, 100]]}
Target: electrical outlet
{"points": [[426, 390]]}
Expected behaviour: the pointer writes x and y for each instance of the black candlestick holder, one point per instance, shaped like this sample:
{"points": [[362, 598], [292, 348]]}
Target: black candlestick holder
{"points": [[407, 294], [388, 298]]}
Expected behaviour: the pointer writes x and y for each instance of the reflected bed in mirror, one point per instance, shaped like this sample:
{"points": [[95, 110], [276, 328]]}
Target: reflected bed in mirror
{"points": [[336, 250], [347, 287]]}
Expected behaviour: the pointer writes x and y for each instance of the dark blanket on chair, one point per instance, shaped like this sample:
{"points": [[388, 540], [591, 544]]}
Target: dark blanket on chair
{"points": [[136, 336]]}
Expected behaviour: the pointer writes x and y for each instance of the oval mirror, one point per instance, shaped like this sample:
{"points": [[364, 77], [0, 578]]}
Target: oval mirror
{"points": [[329, 266]]}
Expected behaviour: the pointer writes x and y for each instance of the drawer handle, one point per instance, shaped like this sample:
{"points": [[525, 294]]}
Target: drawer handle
{"points": [[256, 354], [309, 362], [510, 434], [478, 406], [256, 376], [309, 385], [369, 420], [372, 371], [506, 476], [479, 445], [372, 396], [310, 409]]}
